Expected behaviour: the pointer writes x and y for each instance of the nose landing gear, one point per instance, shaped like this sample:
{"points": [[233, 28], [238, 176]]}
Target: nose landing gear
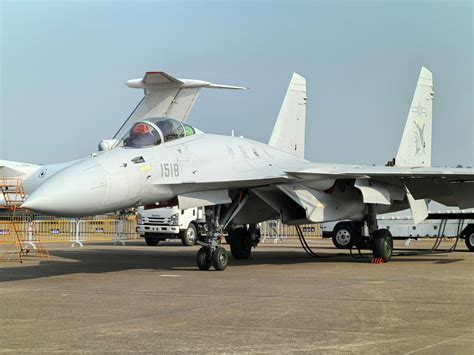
{"points": [[207, 257], [212, 253]]}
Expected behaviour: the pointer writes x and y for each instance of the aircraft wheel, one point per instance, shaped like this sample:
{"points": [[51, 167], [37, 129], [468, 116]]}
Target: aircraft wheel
{"points": [[343, 235], [228, 235], [219, 259], [240, 244], [468, 233], [151, 241], [382, 244], [189, 235], [203, 259]]}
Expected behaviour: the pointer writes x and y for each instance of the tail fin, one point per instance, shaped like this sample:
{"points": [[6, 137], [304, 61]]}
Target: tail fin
{"points": [[289, 130], [415, 146]]}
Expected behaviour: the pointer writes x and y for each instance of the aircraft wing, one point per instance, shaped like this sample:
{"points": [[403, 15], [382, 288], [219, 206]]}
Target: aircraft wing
{"points": [[355, 171], [452, 186], [316, 192], [165, 96]]}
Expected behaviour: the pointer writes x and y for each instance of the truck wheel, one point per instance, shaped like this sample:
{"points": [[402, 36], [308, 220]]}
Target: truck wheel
{"points": [[468, 234], [219, 259], [382, 244], [203, 259], [189, 235], [151, 241], [343, 235]]}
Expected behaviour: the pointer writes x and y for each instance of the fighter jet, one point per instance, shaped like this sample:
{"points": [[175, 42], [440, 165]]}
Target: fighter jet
{"points": [[243, 182]]}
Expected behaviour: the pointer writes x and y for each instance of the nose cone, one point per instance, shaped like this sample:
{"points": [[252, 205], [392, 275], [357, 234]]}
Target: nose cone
{"points": [[76, 191]]}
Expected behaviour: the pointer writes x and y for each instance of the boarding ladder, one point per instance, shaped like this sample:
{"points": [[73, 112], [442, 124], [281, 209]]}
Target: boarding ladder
{"points": [[25, 237]]}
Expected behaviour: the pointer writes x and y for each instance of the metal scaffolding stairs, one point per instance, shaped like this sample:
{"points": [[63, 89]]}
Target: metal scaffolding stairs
{"points": [[24, 241]]}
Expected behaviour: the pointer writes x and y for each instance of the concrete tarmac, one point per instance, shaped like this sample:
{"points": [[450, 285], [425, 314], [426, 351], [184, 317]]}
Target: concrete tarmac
{"points": [[134, 298]]}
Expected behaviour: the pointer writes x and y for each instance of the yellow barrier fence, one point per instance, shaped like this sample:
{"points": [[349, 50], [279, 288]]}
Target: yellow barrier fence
{"points": [[75, 231], [118, 230], [278, 231]]}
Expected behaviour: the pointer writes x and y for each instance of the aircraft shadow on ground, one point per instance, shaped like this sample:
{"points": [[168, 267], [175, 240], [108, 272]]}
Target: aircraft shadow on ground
{"points": [[97, 261]]}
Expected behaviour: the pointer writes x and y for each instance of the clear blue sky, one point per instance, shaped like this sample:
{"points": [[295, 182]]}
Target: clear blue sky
{"points": [[63, 65]]}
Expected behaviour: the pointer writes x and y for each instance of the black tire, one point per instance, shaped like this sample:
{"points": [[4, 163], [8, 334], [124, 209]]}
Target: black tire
{"points": [[382, 246], [240, 244], [189, 235], [468, 234], [151, 241], [203, 259], [220, 259], [344, 235]]}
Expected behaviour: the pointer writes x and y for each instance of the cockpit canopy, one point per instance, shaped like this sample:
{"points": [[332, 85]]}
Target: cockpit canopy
{"points": [[154, 131]]}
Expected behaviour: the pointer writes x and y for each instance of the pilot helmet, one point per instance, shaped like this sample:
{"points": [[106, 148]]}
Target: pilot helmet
{"points": [[141, 128]]}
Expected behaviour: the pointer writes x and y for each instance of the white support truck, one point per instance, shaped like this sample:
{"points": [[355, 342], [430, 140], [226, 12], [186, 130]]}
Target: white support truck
{"points": [[161, 223], [442, 221]]}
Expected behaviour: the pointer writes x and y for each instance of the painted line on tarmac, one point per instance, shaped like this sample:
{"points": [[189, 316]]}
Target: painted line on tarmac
{"points": [[439, 343]]}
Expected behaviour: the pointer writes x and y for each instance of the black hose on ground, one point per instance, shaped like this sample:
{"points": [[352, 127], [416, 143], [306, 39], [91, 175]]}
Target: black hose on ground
{"points": [[433, 249], [304, 243], [311, 253]]}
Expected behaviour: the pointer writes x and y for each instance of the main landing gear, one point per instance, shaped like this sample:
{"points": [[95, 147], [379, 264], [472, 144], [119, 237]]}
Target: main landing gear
{"points": [[380, 240], [242, 239], [382, 245]]}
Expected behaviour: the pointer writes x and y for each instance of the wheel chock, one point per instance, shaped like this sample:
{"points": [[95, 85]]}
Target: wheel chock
{"points": [[377, 261]]}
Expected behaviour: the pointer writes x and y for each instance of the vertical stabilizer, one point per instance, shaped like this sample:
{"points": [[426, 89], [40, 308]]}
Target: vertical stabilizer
{"points": [[415, 146], [289, 131]]}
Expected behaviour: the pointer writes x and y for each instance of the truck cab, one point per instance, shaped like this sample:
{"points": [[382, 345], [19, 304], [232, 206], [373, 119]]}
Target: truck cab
{"points": [[157, 224]]}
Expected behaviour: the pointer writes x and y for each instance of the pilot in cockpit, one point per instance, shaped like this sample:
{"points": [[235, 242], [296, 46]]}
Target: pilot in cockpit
{"points": [[141, 136]]}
